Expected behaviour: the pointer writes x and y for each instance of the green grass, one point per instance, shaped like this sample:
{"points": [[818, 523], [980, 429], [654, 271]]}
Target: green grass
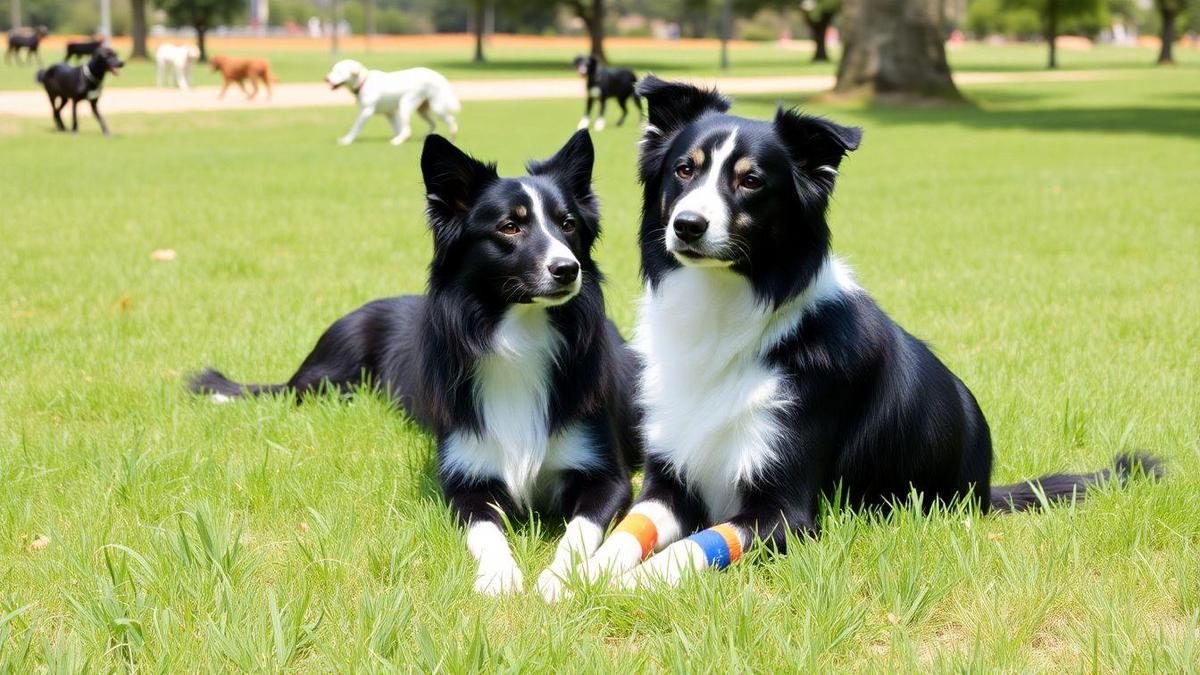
{"points": [[305, 65], [1045, 242]]}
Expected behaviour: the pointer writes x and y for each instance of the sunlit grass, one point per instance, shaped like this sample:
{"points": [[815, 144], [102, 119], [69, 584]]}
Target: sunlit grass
{"points": [[1044, 242]]}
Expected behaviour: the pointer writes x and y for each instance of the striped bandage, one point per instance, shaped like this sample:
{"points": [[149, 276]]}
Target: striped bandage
{"points": [[642, 529], [721, 545]]}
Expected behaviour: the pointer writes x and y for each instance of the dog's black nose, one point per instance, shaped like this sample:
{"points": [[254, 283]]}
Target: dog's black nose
{"points": [[690, 226], [564, 270]]}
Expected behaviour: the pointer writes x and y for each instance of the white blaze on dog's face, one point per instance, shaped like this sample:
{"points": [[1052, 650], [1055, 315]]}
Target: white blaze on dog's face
{"points": [[346, 72], [513, 240], [699, 224]]}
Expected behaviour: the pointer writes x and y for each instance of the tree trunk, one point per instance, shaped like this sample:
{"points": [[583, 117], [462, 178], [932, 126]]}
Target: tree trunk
{"points": [[1166, 53], [480, 27], [894, 50], [726, 31], [137, 10], [201, 31], [15, 13], [593, 20], [1052, 32], [818, 27]]}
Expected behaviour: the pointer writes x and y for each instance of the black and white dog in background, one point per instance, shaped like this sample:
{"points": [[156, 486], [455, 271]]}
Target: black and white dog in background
{"points": [[604, 83], [770, 376], [65, 83], [508, 359]]}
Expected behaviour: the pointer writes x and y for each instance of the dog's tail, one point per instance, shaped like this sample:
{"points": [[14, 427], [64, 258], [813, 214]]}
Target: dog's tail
{"points": [[1058, 487], [41, 76], [210, 382]]}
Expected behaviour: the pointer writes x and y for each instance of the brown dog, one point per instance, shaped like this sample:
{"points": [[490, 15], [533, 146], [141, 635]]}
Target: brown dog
{"points": [[242, 70]]}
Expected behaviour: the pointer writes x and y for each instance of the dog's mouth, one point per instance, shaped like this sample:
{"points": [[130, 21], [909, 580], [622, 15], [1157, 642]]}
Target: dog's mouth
{"points": [[694, 258], [115, 68], [334, 85]]}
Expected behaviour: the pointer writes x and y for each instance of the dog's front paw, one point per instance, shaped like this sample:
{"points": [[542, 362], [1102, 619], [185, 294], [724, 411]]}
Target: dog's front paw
{"points": [[599, 124], [499, 579], [583, 124], [551, 586], [398, 140], [345, 140]]}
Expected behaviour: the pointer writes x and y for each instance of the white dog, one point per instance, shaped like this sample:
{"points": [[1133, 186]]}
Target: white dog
{"points": [[175, 63], [396, 95]]}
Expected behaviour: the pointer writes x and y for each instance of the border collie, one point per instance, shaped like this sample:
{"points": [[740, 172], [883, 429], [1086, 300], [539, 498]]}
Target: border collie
{"points": [[508, 359], [604, 83], [770, 377]]}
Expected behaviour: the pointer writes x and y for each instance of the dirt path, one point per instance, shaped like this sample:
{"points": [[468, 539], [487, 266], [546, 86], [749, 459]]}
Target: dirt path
{"points": [[33, 103]]}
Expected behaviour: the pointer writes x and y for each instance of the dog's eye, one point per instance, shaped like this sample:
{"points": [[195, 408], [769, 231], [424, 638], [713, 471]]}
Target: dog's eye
{"points": [[684, 171], [508, 227], [568, 224], [751, 182]]}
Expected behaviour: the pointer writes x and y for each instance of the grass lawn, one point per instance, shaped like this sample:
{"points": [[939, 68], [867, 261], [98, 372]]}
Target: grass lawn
{"points": [[296, 63], [1045, 242]]}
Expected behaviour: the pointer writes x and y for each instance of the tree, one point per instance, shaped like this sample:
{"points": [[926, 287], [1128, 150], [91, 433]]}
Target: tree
{"points": [[591, 12], [1054, 13], [201, 15], [138, 29], [818, 16], [894, 49], [1169, 11], [480, 21]]}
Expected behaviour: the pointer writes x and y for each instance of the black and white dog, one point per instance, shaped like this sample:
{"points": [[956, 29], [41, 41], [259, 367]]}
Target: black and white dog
{"points": [[604, 83], [770, 377], [509, 359], [65, 83]]}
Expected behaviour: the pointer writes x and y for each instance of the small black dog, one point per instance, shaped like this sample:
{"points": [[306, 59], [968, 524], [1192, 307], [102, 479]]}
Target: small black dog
{"points": [[19, 39], [74, 83], [82, 49], [604, 83]]}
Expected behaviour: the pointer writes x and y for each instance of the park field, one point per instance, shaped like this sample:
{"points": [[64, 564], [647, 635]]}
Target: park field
{"points": [[514, 56], [1044, 241]]}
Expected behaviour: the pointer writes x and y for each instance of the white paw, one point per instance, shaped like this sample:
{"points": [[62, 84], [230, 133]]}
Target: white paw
{"points": [[599, 124], [221, 398], [551, 586], [345, 140], [583, 124], [399, 139], [499, 580]]}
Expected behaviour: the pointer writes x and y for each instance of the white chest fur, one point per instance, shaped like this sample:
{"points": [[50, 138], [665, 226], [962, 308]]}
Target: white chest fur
{"points": [[512, 393], [711, 402]]}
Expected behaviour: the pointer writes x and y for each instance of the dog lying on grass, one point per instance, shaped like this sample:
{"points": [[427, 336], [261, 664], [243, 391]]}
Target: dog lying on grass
{"points": [[65, 83], [242, 71], [174, 65], [771, 379], [397, 96], [509, 359]]}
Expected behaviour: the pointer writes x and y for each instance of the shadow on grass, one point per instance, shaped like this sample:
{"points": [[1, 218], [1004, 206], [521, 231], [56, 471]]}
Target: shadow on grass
{"points": [[1183, 121]]}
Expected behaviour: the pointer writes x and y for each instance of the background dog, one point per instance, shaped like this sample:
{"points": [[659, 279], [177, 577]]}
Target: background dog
{"points": [[80, 49], [509, 359], [65, 83], [771, 379], [174, 63], [29, 40], [396, 96], [243, 70], [604, 83]]}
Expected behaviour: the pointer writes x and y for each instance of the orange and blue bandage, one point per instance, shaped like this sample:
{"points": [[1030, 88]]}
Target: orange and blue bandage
{"points": [[642, 529], [720, 543]]}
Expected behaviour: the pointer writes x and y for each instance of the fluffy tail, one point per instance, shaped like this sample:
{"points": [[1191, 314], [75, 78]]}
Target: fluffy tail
{"points": [[210, 381], [1058, 487]]}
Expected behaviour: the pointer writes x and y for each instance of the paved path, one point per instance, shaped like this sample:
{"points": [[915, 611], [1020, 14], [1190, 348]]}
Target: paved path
{"points": [[33, 103]]}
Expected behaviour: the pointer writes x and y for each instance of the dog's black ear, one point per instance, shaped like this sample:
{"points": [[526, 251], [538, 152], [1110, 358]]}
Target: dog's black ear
{"points": [[817, 145], [571, 166], [675, 104], [453, 180]]}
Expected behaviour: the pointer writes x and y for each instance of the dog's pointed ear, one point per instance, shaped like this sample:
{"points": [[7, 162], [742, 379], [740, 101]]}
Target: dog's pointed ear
{"points": [[675, 104], [453, 180], [571, 165], [817, 145]]}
